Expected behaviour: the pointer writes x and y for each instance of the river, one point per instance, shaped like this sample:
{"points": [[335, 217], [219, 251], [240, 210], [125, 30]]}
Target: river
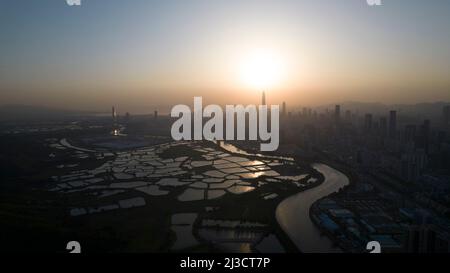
{"points": [[293, 213], [235, 150]]}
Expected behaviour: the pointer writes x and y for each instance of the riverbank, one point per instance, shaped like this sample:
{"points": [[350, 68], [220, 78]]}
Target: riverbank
{"points": [[293, 213]]}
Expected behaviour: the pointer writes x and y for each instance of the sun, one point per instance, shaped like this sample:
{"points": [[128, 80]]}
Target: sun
{"points": [[261, 69]]}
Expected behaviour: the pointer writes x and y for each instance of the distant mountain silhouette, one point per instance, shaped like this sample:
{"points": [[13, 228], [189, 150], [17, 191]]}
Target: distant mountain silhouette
{"points": [[423, 110]]}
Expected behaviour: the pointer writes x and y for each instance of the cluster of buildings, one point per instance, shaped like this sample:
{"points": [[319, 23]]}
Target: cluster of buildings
{"points": [[403, 163], [406, 148], [363, 213]]}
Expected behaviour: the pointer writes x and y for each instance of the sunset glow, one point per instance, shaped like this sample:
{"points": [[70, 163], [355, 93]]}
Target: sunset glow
{"points": [[262, 69], [166, 52], [225, 135]]}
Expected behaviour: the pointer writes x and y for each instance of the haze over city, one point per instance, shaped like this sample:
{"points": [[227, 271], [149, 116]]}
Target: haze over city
{"points": [[335, 137], [143, 55]]}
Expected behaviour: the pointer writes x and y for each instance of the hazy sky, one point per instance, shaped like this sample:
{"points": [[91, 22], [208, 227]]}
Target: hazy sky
{"points": [[142, 54]]}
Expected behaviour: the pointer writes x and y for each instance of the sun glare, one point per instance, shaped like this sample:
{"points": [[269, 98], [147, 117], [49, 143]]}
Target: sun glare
{"points": [[261, 69]]}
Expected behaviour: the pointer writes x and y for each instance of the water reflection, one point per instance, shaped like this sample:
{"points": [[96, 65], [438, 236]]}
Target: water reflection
{"points": [[233, 149], [293, 213], [240, 189]]}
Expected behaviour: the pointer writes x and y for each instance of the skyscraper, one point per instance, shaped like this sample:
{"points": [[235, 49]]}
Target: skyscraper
{"points": [[127, 117], [392, 124], [383, 126], [348, 115], [424, 139], [337, 113], [426, 238], [368, 123], [283, 111], [410, 133], [114, 121], [446, 115], [114, 114], [263, 98]]}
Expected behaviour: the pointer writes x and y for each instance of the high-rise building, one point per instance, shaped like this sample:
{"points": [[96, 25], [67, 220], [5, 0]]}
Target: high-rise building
{"points": [[383, 126], [114, 114], [304, 111], [410, 133], [424, 137], [427, 238], [115, 130], [446, 115], [337, 113], [348, 115], [368, 123], [283, 111], [263, 101], [393, 124]]}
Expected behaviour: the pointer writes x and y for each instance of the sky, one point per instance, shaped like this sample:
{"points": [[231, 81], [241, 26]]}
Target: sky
{"points": [[142, 55]]}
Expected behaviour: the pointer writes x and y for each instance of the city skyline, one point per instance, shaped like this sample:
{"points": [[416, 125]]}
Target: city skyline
{"points": [[204, 127]]}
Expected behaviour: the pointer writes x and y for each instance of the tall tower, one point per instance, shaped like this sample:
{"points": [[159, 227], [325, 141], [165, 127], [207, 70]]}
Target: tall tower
{"points": [[368, 123], [446, 115], [337, 113], [113, 113], [383, 126], [114, 121], [283, 111], [348, 115], [263, 98], [392, 124]]}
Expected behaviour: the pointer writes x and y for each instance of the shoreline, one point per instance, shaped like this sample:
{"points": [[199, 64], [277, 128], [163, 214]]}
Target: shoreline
{"points": [[315, 228]]}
